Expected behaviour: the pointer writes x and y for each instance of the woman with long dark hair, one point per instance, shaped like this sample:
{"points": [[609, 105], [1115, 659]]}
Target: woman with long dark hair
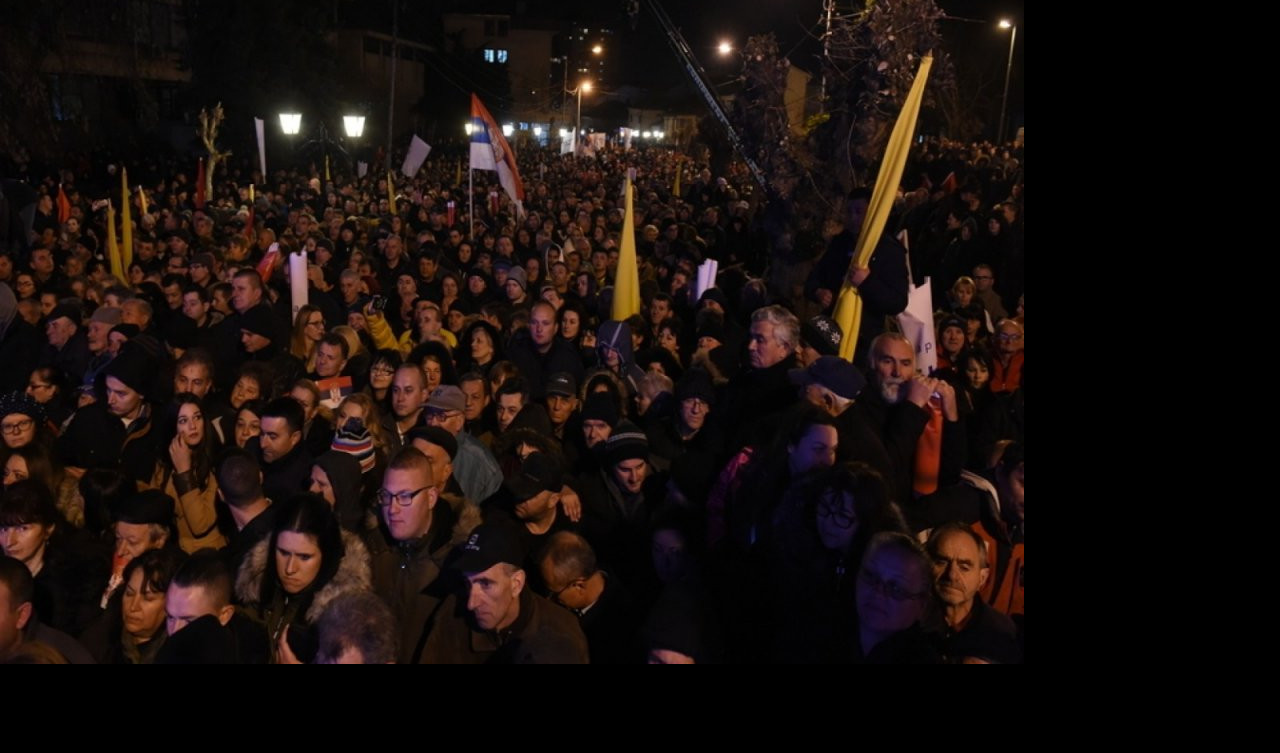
{"points": [[288, 579], [184, 471]]}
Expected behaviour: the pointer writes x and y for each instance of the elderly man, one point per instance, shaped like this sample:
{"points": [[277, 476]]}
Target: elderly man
{"points": [[918, 420], [475, 467], [972, 631], [68, 349], [759, 393]]}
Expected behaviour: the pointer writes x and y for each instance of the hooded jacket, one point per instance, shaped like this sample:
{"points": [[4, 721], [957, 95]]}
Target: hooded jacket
{"points": [[405, 573]]}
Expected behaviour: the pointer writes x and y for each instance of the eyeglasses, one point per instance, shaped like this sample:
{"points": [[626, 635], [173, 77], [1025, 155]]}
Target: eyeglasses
{"points": [[555, 595], [1006, 337], [887, 587], [840, 515], [382, 372], [695, 403], [17, 427], [404, 499]]}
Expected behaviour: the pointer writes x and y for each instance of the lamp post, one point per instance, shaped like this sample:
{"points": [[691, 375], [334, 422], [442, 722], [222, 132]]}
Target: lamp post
{"points": [[291, 125], [585, 86], [1008, 71]]}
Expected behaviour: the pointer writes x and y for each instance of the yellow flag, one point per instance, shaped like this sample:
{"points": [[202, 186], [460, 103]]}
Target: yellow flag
{"points": [[126, 222], [626, 285], [142, 197], [675, 189], [391, 192], [113, 249], [848, 313], [326, 168], [250, 193]]}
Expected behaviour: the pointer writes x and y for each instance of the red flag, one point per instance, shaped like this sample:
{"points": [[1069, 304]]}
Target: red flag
{"points": [[64, 206], [200, 185], [451, 212], [950, 184], [268, 263]]}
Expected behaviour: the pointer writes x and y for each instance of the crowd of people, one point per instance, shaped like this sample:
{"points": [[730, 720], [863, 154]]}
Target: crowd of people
{"points": [[450, 452]]}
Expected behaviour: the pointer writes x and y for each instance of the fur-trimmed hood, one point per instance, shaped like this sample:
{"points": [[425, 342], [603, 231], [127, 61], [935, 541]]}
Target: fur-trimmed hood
{"points": [[353, 575]]}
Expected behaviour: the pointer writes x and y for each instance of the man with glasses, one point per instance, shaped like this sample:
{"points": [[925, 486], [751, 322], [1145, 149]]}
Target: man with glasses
{"points": [[1006, 367], [984, 280], [475, 467], [606, 610], [409, 549]]}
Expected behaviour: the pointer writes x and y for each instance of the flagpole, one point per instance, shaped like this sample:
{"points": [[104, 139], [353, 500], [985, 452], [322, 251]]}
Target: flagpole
{"points": [[471, 207]]}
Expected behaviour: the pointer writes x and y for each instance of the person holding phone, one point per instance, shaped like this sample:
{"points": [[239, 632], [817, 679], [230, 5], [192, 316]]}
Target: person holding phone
{"points": [[184, 471]]}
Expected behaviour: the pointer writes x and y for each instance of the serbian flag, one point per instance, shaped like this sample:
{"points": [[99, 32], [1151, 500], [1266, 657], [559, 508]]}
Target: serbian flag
{"points": [[64, 206], [490, 151]]}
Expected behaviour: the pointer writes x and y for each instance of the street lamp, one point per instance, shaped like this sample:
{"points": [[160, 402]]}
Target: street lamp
{"points": [[291, 125], [354, 125], [1008, 71], [725, 48], [585, 86]]}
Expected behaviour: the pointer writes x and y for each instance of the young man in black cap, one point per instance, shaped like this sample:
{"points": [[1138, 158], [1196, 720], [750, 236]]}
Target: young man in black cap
{"points": [[118, 432], [533, 496], [494, 618], [617, 502]]}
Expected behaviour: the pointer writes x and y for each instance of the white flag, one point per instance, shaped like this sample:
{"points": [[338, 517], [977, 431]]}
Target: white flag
{"points": [[916, 323], [418, 151], [566, 143], [262, 147]]}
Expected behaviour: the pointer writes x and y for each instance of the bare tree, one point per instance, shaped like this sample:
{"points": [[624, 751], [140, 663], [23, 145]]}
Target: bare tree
{"points": [[209, 125]]}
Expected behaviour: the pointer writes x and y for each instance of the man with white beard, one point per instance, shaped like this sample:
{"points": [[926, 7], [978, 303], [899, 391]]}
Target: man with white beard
{"points": [[918, 420]]}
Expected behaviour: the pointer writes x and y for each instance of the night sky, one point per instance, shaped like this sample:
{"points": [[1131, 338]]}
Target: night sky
{"points": [[647, 61]]}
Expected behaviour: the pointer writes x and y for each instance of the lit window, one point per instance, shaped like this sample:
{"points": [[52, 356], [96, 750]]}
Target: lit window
{"points": [[502, 56], [488, 56]]}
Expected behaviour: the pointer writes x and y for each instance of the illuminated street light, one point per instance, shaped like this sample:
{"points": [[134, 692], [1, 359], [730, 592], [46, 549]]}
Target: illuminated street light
{"points": [[354, 124], [1004, 100], [725, 48], [291, 123]]}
